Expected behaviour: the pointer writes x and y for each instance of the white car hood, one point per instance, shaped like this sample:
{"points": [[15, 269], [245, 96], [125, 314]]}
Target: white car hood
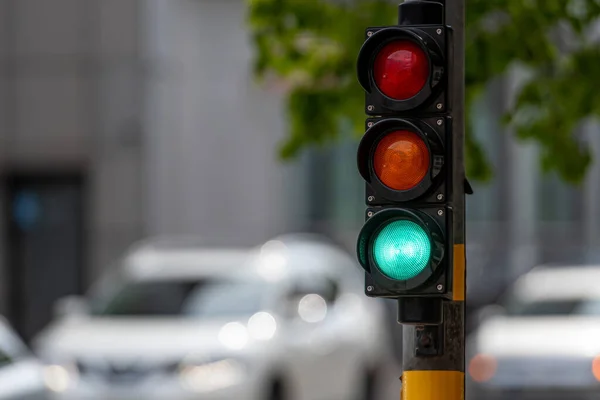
{"points": [[127, 338], [539, 336]]}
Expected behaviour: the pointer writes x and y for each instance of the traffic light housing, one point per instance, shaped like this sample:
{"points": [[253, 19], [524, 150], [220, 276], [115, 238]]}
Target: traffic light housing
{"points": [[406, 158], [420, 53], [420, 176]]}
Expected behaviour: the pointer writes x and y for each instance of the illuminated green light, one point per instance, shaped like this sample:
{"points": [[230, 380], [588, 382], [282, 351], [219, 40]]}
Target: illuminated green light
{"points": [[402, 250]]}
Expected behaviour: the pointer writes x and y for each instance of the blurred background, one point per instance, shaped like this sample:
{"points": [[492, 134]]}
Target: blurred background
{"points": [[122, 120]]}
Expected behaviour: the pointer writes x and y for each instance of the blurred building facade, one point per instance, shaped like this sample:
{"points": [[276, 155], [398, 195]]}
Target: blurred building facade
{"points": [[71, 147], [121, 119]]}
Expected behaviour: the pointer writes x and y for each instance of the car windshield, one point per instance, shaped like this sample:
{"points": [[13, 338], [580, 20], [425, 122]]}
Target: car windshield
{"points": [[187, 298], [554, 307]]}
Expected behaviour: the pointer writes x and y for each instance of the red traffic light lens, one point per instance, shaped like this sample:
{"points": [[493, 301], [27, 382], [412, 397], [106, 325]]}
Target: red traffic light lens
{"points": [[401, 160], [401, 69]]}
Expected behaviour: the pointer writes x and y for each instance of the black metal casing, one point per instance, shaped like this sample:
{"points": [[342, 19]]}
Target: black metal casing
{"points": [[436, 132], [434, 280], [432, 99], [428, 115]]}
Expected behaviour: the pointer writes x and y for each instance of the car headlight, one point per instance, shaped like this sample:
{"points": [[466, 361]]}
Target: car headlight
{"points": [[211, 376], [60, 377]]}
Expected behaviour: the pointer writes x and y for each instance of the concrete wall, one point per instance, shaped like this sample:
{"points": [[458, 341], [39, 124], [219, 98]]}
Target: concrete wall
{"points": [[70, 90], [154, 102], [212, 133]]}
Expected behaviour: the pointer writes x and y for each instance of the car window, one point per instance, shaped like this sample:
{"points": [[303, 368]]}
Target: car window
{"points": [[146, 298], [330, 290], [227, 299], [325, 287], [311, 300], [554, 307], [589, 307], [5, 359], [11, 346], [186, 298]]}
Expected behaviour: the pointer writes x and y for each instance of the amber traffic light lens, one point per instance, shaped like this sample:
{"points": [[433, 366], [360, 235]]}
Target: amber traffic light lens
{"points": [[401, 160], [401, 70]]}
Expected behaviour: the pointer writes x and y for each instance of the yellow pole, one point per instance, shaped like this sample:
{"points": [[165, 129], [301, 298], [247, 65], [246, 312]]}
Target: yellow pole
{"points": [[442, 377], [433, 385]]}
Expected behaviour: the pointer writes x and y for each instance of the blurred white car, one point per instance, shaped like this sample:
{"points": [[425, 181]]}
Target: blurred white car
{"points": [[20, 371], [286, 321], [543, 342]]}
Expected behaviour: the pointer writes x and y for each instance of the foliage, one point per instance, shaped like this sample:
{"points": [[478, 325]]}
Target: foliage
{"points": [[310, 46]]}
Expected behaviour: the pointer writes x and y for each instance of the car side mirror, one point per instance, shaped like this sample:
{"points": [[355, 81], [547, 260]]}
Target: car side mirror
{"points": [[71, 306]]}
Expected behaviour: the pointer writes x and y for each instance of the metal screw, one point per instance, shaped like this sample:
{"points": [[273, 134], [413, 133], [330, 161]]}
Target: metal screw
{"points": [[371, 198], [440, 122], [440, 196], [370, 214], [370, 288], [369, 34], [440, 287], [439, 106], [440, 212], [370, 108], [439, 31], [369, 124]]}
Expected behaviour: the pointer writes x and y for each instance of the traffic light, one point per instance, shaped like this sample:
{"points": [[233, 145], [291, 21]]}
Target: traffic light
{"points": [[405, 157], [402, 69]]}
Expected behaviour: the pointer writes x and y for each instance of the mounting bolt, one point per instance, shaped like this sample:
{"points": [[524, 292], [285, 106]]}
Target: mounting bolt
{"points": [[439, 106], [370, 288], [440, 287], [369, 34], [369, 124], [370, 214], [440, 122], [440, 212], [370, 108], [371, 198], [439, 31], [440, 197]]}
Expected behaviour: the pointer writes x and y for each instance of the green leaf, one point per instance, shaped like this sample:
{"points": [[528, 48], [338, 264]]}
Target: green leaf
{"points": [[312, 46]]}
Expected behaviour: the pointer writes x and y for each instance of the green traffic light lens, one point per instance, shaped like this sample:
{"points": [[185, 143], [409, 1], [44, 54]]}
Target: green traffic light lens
{"points": [[402, 250]]}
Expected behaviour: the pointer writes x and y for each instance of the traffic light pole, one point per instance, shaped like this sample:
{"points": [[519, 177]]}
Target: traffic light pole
{"points": [[434, 357]]}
